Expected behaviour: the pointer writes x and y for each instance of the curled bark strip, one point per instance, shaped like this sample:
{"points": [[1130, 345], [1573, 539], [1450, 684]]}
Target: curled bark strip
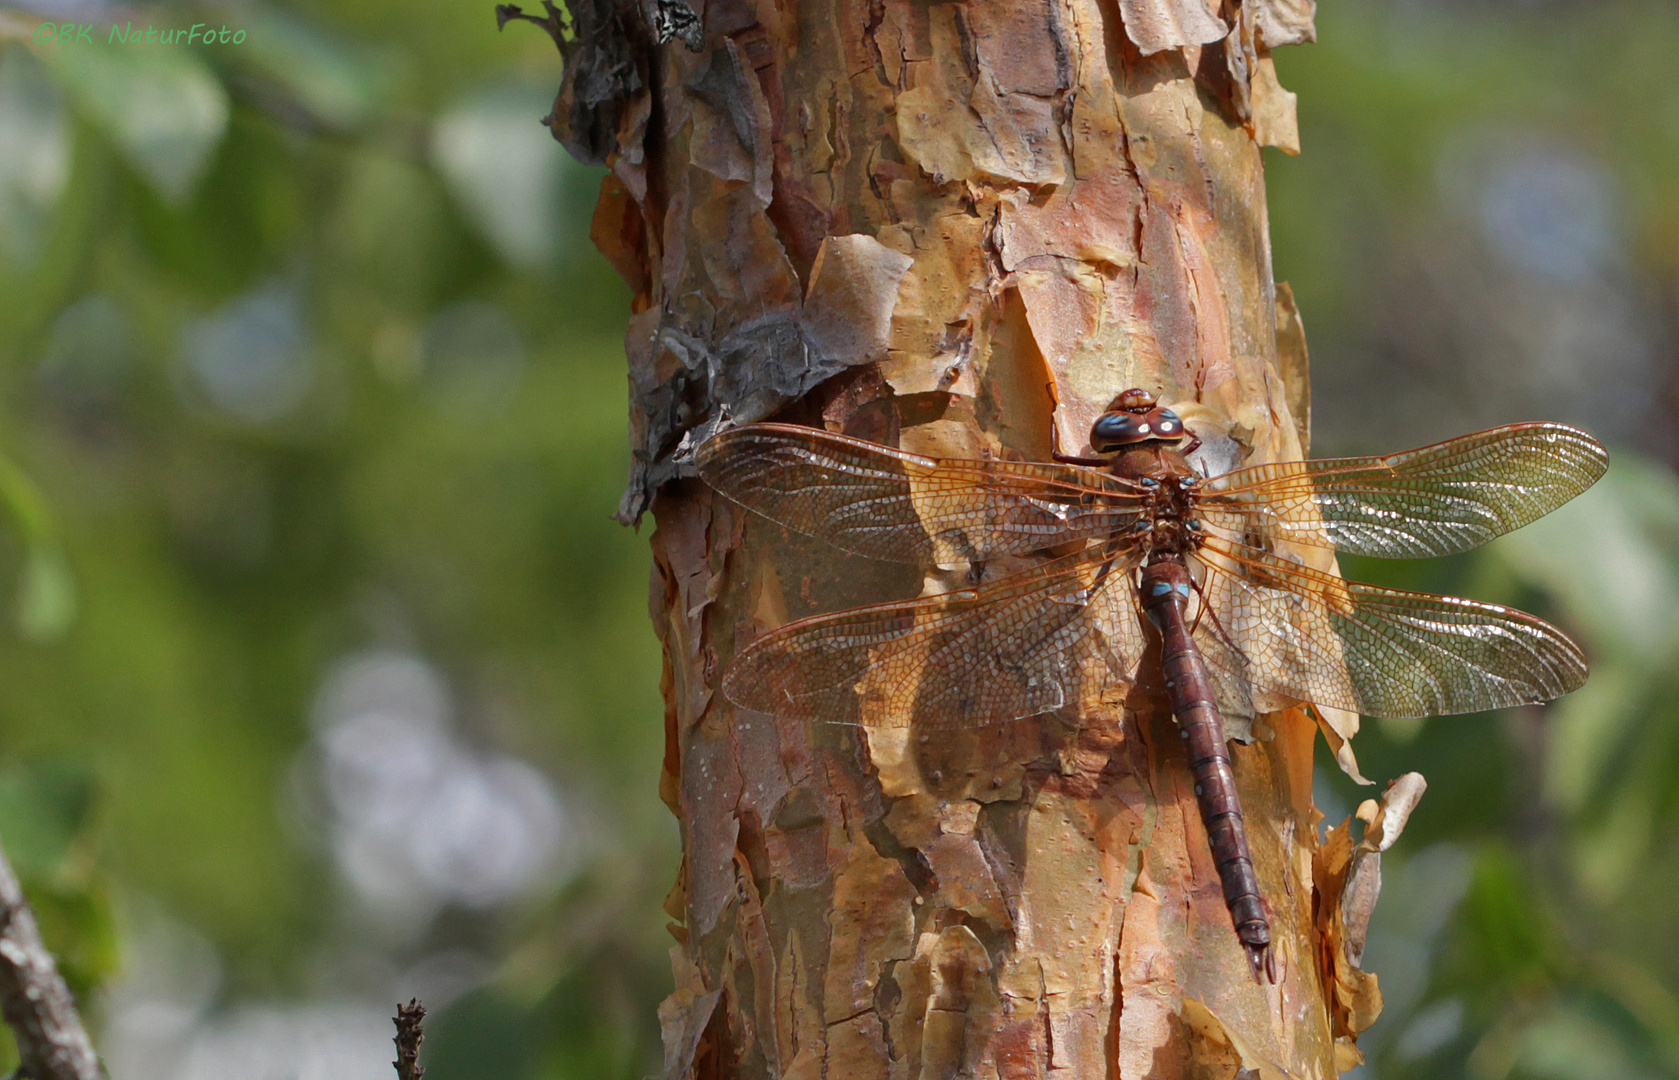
{"points": [[1157, 25], [1348, 877], [673, 19], [604, 46], [1285, 22]]}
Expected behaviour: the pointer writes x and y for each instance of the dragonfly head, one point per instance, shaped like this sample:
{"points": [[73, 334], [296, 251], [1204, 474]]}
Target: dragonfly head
{"points": [[1134, 418], [1134, 400]]}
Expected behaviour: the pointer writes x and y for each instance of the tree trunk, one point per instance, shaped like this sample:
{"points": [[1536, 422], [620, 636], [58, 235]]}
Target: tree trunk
{"points": [[959, 228]]}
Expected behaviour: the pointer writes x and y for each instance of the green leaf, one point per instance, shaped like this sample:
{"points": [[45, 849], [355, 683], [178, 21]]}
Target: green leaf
{"points": [[47, 598], [79, 925], [44, 808], [1566, 1043], [34, 153], [337, 83], [47, 595], [506, 170], [1507, 932], [161, 105], [1620, 531]]}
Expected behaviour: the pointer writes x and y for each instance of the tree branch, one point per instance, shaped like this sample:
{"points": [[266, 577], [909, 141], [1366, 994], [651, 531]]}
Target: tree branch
{"points": [[38, 1006], [410, 1033]]}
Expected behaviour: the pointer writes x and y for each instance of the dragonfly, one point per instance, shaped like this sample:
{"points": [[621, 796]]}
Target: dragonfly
{"points": [[1130, 554]]}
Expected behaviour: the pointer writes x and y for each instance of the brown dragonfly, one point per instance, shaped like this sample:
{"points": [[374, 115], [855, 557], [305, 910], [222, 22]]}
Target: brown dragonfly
{"points": [[1135, 548]]}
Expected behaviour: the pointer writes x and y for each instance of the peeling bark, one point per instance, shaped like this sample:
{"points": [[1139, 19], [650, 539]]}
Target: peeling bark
{"points": [[959, 228]]}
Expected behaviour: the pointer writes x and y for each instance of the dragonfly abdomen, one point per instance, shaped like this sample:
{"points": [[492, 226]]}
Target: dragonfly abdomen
{"points": [[1166, 588]]}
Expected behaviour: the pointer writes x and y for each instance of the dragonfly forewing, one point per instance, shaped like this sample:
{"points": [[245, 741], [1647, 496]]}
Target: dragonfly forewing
{"points": [[901, 507], [1439, 500]]}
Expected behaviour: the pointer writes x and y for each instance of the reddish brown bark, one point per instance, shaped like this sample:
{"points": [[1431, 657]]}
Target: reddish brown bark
{"points": [[959, 228]]}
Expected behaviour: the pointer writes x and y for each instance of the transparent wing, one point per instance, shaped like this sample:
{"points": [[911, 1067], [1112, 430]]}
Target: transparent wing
{"points": [[1276, 627], [901, 507], [1444, 498], [1022, 645]]}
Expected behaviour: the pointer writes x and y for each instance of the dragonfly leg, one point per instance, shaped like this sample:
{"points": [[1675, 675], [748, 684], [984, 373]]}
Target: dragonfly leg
{"points": [[1201, 609], [1207, 609]]}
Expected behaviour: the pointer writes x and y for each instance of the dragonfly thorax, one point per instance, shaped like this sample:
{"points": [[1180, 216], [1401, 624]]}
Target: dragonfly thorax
{"points": [[1169, 519], [1168, 515]]}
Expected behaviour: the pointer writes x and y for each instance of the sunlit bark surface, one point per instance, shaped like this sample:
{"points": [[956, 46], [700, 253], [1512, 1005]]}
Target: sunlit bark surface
{"points": [[959, 228]]}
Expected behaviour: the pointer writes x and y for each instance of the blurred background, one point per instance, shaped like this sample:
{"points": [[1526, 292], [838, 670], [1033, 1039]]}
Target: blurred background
{"points": [[328, 681]]}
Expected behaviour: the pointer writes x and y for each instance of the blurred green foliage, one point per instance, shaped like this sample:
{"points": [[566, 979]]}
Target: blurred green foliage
{"points": [[296, 368], [1481, 229], [304, 353]]}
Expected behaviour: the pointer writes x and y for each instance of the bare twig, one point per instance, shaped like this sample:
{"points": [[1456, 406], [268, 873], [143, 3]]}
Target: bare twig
{"points": [[410, 1033], [52, 1044], [554, 23]]}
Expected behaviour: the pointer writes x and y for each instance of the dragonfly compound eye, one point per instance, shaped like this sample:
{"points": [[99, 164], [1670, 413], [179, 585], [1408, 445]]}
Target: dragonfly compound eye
{"points": [[1114, 429], [1119, 428], [1166, 424]]}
